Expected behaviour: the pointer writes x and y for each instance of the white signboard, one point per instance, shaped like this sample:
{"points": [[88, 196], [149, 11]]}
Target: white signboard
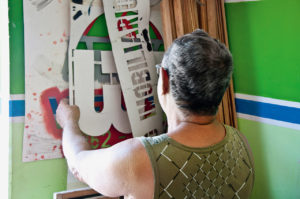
{"points": [[133, 53], [82, 64]]}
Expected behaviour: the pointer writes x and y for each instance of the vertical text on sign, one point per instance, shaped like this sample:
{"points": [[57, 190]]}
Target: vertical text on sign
{"points": [[135, 57]]}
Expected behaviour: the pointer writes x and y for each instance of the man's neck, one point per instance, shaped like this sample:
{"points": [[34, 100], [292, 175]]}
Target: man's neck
{"points": [[177, 117], [198, 131]]}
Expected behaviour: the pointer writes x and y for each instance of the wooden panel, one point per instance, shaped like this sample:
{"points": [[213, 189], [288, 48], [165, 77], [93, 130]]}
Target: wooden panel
{"points": [[230, 91], [184, 16], [202, 15], [212, 19], [226, 107], [179, 21], [220, 114], [167, 15], [190, 13], [80, 193]]}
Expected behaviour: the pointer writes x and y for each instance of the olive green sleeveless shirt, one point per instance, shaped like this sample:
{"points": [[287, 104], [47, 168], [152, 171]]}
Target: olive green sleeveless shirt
{"points": [[224, 170]]}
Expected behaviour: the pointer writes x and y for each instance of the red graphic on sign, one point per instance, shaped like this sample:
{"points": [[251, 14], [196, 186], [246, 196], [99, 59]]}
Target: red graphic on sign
{"points": [[125, 23], [112, 137], [47, 112]]}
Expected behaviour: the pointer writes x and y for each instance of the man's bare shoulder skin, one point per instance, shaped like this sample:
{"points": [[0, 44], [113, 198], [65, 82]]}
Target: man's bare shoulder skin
{"points": [[123, 169]]}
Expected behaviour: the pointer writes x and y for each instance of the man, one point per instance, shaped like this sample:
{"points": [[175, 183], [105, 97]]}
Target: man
{"points": [[197, 158]]}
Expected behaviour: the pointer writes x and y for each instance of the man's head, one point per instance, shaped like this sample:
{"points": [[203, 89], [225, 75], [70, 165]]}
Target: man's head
{"points": [[199, 69]]}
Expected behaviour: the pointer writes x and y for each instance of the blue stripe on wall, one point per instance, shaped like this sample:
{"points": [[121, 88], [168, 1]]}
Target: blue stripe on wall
{"points": [[259, 109], [270, 111], [16, 108]]}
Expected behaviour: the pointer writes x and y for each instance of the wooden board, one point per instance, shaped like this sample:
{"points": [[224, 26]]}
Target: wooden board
{"points": [[85, 193], [184, 16], [168, 21]]}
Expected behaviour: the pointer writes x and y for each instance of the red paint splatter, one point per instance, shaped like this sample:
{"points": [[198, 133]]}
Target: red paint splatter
{"points": [[61, 40], [54, 42], [35, 159], [48, 117], [29, 136], [30, 144], [54, 147], [29, 116], [26, 126], [34, 99], [35, 154], [49, 69], [61, 150], [34, 94], [64, 34], [42, 156]]}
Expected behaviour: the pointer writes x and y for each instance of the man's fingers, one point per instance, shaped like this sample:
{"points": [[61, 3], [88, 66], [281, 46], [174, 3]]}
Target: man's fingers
{"points": [[76, 108], [65, 101]]}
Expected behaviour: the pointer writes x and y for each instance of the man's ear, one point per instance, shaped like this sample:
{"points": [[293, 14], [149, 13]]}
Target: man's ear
{"points": [[165, 81]]}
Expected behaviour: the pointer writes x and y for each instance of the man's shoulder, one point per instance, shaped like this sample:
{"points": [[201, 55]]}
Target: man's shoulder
{"points": [[139, 168], [154, 140], [245, 142]]}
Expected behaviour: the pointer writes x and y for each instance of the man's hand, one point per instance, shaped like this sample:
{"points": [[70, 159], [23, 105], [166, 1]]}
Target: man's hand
{"points": [[67, 114]]}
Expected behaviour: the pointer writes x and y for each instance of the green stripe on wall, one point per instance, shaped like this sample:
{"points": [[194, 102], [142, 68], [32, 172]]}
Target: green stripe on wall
{"points": [[277, 159], [16, 33], [264, 40], [34, 180]]}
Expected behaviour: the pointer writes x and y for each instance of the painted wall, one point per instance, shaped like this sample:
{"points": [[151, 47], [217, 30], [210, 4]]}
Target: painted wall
{"points": [[264, 40]]}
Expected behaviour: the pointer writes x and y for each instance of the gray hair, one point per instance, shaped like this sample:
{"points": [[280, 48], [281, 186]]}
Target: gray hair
{"points": [[200, 69]]}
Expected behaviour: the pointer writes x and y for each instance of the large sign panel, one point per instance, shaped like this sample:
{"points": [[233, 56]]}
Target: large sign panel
{"points": [[68, 51], [135, 62]]}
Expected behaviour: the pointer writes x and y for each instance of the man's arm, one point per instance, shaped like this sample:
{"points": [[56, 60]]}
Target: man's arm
{"points": [[73, 143], [118, 170]]}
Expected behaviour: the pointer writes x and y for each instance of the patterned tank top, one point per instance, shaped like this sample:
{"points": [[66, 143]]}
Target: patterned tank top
{"points": [[224, 170]]}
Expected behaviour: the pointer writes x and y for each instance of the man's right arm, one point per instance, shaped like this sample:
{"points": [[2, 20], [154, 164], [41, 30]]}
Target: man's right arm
{"points": [[122, 169]]}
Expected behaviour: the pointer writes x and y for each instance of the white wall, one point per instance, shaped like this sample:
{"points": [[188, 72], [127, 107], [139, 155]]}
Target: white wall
{"points": [[4, 98]]}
